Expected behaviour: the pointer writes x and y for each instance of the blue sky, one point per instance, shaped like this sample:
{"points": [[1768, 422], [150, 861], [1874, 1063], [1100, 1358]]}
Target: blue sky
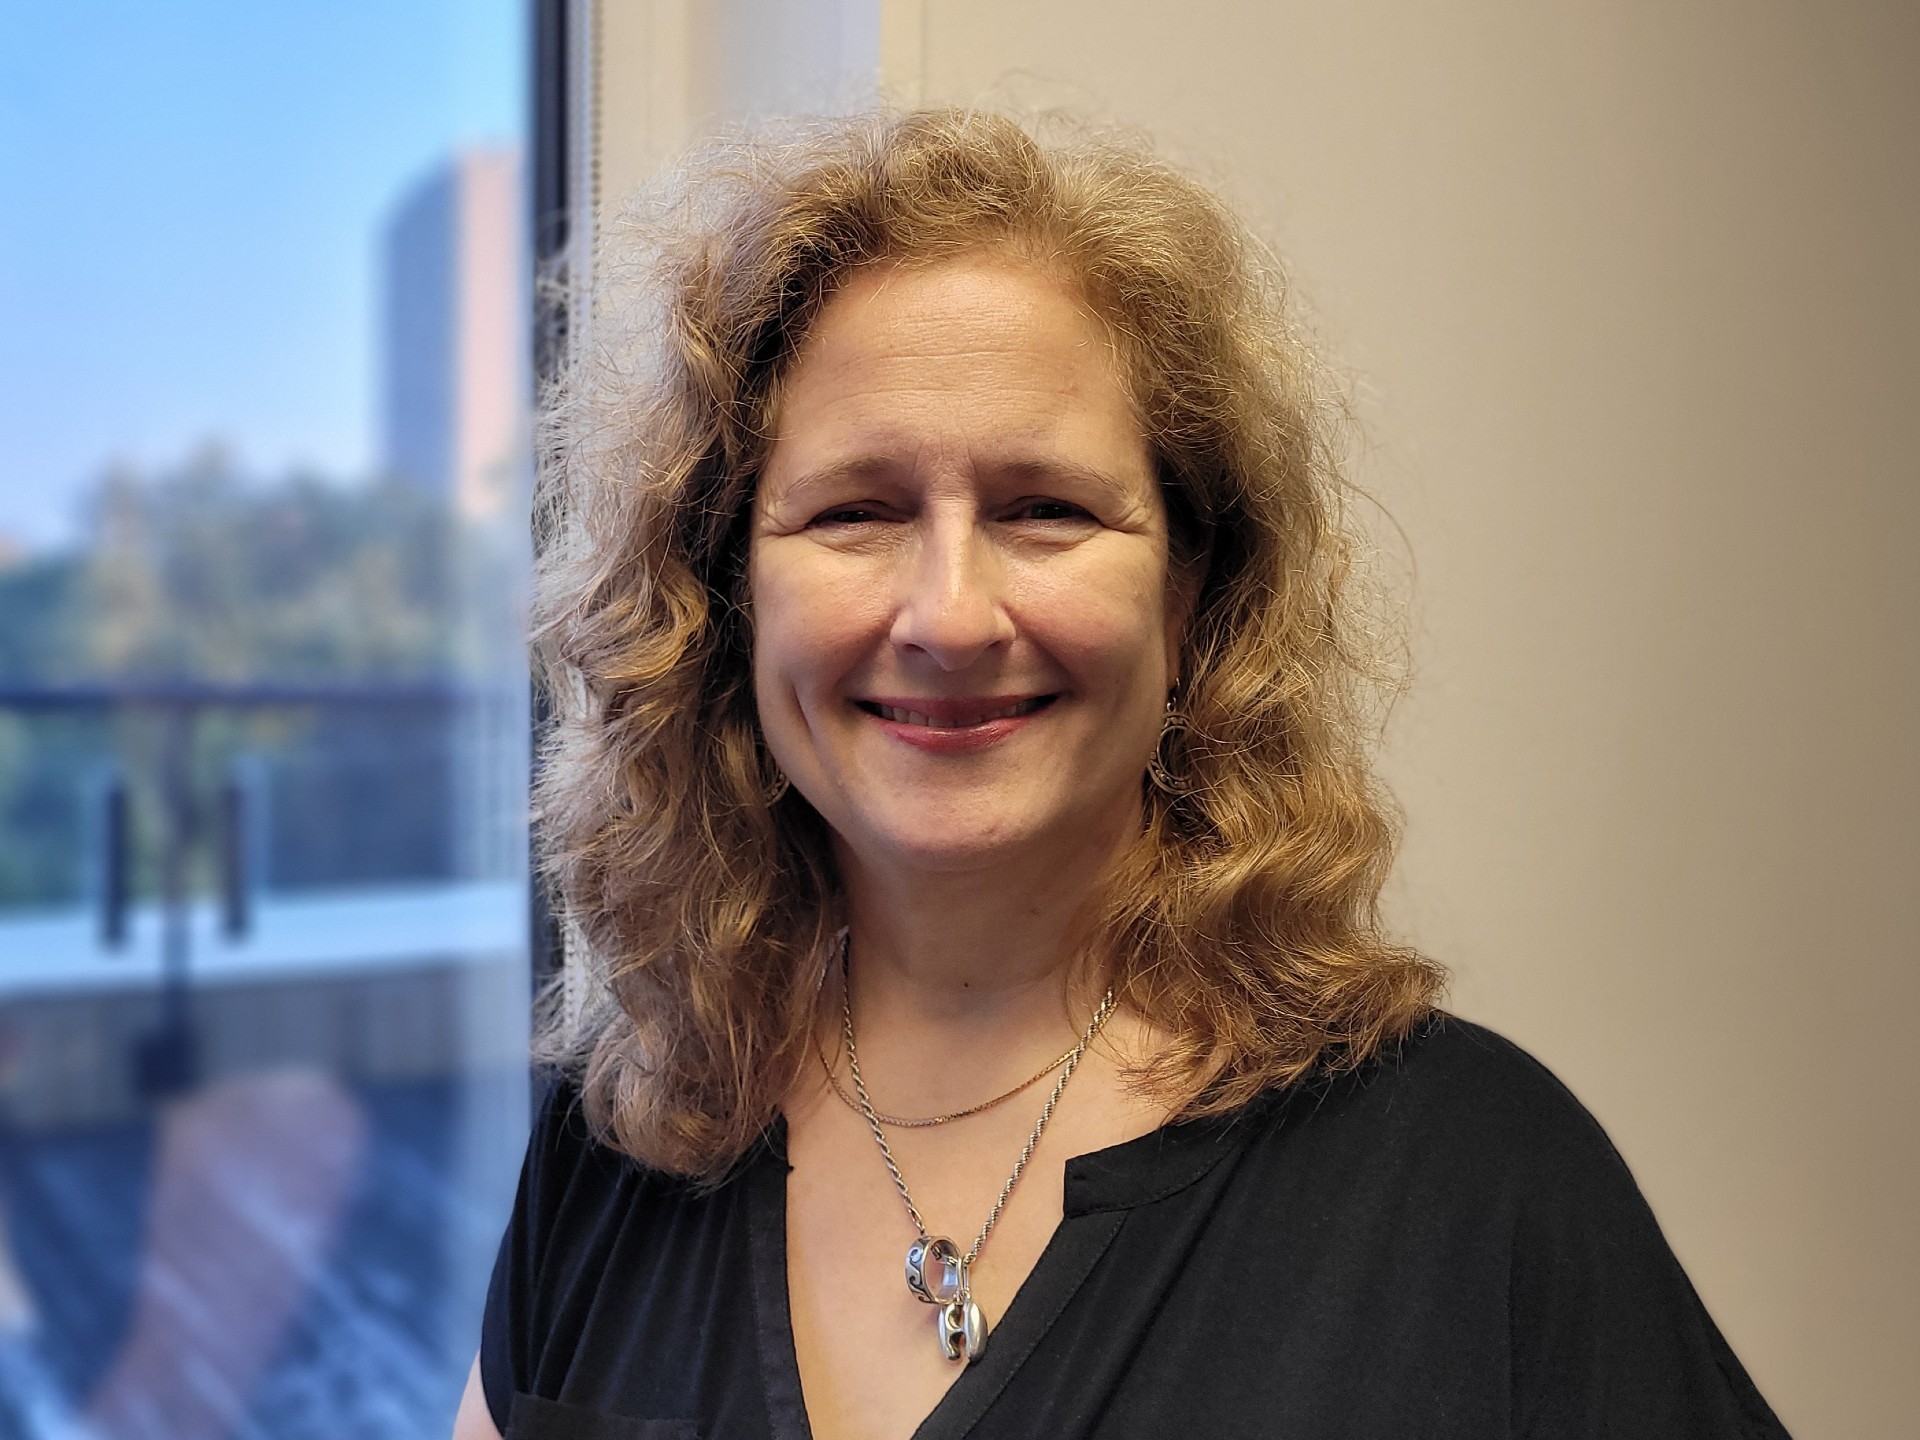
{"points": [[191, 194]]}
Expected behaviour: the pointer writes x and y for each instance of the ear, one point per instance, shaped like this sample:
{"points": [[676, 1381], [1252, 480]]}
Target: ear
{"points": [[1183, 594]]}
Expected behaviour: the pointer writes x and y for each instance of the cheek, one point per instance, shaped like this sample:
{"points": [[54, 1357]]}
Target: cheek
{"points": [[789, 657], [1110, 626], [810, 627]]}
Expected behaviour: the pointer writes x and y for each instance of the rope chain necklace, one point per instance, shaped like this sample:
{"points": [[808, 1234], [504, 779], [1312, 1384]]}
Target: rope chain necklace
{"points": [[937, 1273]]}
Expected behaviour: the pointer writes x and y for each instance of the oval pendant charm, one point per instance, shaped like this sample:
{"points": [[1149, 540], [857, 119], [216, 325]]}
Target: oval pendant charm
{"points": [[975, 1333], [963, 1331], [934, 1271]]}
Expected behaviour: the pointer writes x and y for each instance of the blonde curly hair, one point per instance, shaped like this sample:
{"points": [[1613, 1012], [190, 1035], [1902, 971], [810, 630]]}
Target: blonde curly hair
{"points": [[1243, 922]]}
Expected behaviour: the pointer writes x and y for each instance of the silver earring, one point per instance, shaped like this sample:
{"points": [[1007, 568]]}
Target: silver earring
{"points": [[775, 792], [1159, 771]]}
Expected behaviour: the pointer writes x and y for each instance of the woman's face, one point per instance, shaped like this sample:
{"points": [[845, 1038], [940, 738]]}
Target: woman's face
{"points": [[963, 632]]}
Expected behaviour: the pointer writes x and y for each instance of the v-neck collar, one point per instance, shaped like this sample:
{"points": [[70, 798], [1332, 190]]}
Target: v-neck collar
{"points": [[1101, 1187]]}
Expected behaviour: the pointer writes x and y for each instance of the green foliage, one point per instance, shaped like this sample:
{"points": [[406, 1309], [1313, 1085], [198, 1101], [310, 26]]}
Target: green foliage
{"points": [[206, 575], [48, 766], [39, 638], [203, 575]]}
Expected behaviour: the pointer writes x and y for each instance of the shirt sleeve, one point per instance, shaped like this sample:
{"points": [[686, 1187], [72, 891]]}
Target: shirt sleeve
{"points": [[509, 1333], [1609, 1337]]}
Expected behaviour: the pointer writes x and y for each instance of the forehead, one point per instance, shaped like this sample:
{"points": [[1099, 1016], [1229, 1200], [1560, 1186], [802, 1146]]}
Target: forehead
{"points": [[982, 355]]}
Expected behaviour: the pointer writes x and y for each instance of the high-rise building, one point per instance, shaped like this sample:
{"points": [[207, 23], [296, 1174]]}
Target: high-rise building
{"points": [[454, 391]]}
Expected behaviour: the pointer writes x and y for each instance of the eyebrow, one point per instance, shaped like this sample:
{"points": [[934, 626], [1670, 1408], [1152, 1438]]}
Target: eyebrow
{"points": [[1067, 470], [869, 467], [876, 467]]}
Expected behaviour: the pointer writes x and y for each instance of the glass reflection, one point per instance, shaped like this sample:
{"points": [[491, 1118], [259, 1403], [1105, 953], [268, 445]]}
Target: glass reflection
{"points": [[263, 984]]}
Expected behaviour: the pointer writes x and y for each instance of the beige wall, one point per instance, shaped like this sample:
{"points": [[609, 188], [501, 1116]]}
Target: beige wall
{"points": [[1630, 293]]}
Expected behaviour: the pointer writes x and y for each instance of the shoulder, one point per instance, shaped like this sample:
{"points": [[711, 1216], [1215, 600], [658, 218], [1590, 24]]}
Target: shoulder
{"points": [[1459, 1108], [1463, 1138], [576, 1185], [1605, 1330], [1474, 1080], [598, 1257], [1468, 1217], [565, 1161], [1454, 1060]]}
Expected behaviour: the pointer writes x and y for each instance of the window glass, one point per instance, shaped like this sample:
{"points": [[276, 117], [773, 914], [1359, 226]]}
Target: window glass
{"points": [[263, 710]]}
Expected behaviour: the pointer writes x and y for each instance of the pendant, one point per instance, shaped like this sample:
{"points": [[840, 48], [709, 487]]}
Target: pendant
{"points": [[963, 1331], [935, 1272]]}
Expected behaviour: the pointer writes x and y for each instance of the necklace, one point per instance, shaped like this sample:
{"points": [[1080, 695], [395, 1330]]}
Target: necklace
{"points": [[937, 1272], [852, 1102]]}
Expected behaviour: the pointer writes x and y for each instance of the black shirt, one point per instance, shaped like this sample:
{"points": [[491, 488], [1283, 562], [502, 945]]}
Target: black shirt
{"points": [[1443, 1244]]}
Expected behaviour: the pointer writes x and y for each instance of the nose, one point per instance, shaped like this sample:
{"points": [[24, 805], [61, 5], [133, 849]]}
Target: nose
{"points": [[953, 608]]}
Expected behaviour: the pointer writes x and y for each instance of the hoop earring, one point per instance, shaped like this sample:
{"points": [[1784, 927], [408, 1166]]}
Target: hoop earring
{"points": [[1159, 771], [776, 792]]}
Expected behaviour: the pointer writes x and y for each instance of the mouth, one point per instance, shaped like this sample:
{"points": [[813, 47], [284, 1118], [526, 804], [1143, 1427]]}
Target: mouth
{"points": [[934, 714]]}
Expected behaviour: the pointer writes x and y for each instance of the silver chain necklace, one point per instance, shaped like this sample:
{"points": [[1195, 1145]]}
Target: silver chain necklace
{"points": [[937, 1272]]}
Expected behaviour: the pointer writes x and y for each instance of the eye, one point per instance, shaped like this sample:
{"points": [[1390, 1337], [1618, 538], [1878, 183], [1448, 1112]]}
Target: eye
{"points": [[1041, 508], [846, 515]]}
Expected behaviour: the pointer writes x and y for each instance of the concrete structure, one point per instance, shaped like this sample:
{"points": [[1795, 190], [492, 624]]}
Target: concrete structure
{"points": [[454, 387], [456, 401], [371, 983], [1630, 294]]}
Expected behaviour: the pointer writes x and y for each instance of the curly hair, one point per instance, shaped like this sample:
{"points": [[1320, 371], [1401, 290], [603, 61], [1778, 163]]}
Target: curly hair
{"points": [[1243, 921]]}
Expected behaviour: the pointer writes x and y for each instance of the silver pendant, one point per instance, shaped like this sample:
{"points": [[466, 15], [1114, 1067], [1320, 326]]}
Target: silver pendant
{"points": [[935, 1272], [963, 1331]]}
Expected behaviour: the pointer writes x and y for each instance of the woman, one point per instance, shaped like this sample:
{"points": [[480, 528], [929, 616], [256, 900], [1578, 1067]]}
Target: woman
{"points": [[960, 794]]}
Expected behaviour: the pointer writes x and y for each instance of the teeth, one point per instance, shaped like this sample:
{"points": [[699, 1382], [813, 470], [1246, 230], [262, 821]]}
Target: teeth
{"points": [[902, 716]]}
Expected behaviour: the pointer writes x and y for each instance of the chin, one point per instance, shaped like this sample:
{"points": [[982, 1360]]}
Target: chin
{"points": [[955, 835], [948, 847]]}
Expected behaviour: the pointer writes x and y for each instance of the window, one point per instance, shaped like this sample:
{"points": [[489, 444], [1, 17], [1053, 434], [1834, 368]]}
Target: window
{"points": [[263, 710]]}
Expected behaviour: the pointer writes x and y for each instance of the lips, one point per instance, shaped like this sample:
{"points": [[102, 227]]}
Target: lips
{"points": [[963, 714]]}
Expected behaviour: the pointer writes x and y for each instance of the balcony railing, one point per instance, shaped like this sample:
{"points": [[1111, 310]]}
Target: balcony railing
{"points": [[263, 973]]}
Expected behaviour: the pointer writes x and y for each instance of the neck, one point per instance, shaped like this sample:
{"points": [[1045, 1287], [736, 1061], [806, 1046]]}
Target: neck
{"points": [[977, 962]]}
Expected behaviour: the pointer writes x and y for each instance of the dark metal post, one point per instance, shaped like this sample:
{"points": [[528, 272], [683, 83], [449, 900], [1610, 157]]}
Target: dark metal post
{"points": [[116, 864], [169, 1060], [236, 908]]}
